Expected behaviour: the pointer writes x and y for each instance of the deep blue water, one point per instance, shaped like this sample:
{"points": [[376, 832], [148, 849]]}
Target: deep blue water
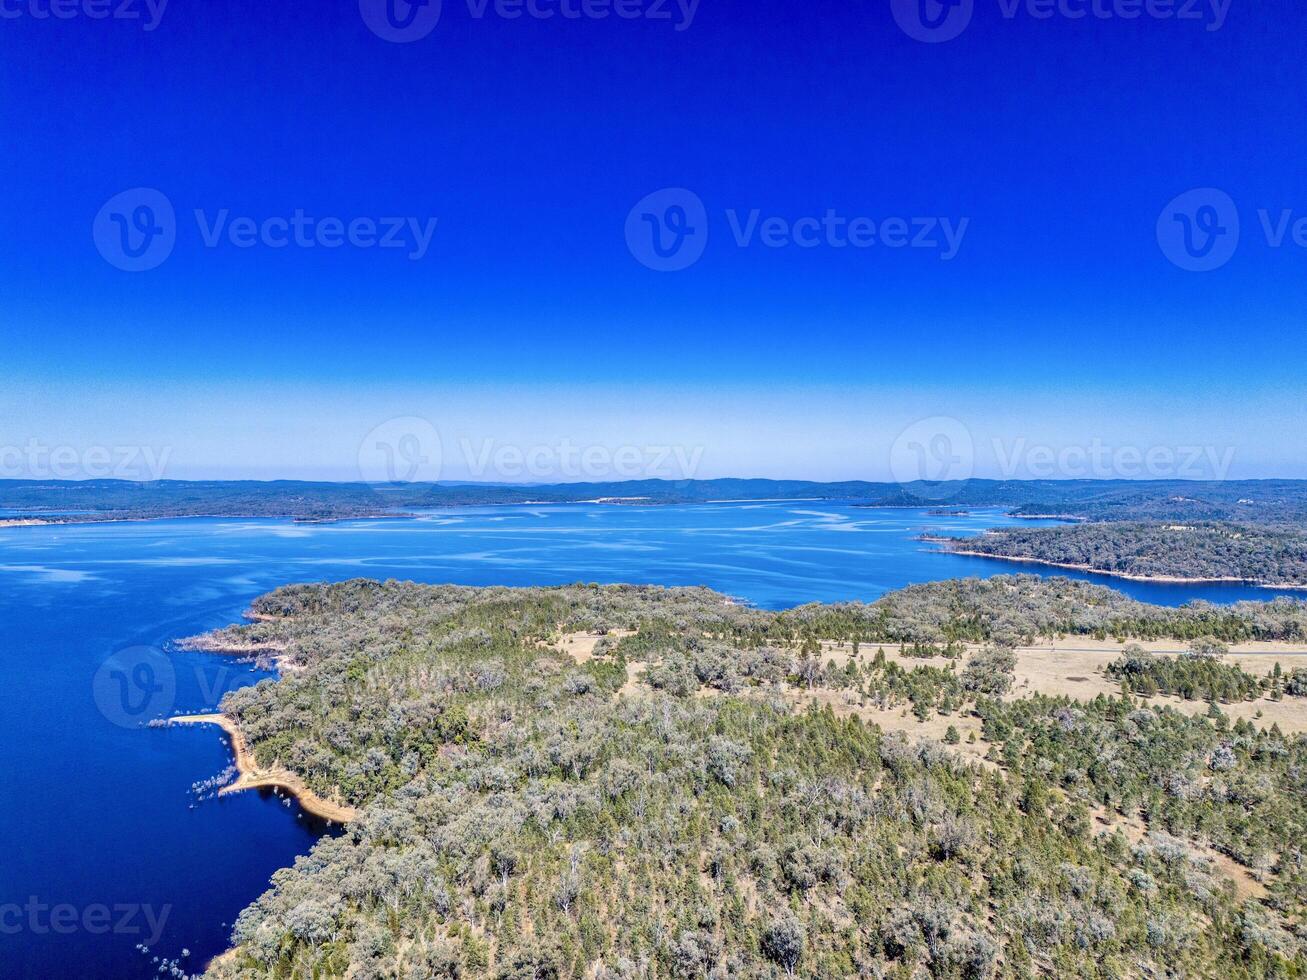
{"points": [[97, 812]]}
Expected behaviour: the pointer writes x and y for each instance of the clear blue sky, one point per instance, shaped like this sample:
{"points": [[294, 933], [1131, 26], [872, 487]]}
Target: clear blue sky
{"points": [[528, 321]]}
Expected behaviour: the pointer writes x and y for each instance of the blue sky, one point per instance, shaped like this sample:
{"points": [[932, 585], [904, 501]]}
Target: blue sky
{"points": [[527, 319]]}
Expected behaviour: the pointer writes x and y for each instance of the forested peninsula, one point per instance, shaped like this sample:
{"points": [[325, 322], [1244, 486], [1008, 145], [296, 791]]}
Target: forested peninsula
{"points": [[1204, 552], [632, 782]]}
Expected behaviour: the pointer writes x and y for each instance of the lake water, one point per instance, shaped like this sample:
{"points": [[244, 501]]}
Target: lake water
{"points": [[105, 845]]}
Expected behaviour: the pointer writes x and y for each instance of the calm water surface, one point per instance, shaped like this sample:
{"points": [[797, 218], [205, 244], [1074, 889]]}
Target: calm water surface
{"points": [[98, 812]]}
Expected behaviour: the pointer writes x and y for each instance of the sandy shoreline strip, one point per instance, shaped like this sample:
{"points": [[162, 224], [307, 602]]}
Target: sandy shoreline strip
{"points": [[252, 777], [1164, 579]]}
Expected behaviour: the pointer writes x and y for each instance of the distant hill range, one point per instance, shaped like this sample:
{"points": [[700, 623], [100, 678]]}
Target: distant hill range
{"points": [[1258, 501]]}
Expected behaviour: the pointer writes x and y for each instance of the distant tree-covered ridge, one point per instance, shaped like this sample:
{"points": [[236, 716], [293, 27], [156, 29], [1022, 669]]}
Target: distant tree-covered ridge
{"points": [[1258, 502], [1205, 551], [669, 803]]}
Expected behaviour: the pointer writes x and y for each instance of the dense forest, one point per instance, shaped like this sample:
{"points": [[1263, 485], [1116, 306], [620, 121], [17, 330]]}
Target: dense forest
{"points": [[1266, 555], [1262, 502], [699, 796]]}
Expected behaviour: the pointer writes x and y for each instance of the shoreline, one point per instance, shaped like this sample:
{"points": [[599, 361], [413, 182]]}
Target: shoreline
{"points": [[203, 643], [1089, 569], [1074, 518], [252, 777], [267, 653]]}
